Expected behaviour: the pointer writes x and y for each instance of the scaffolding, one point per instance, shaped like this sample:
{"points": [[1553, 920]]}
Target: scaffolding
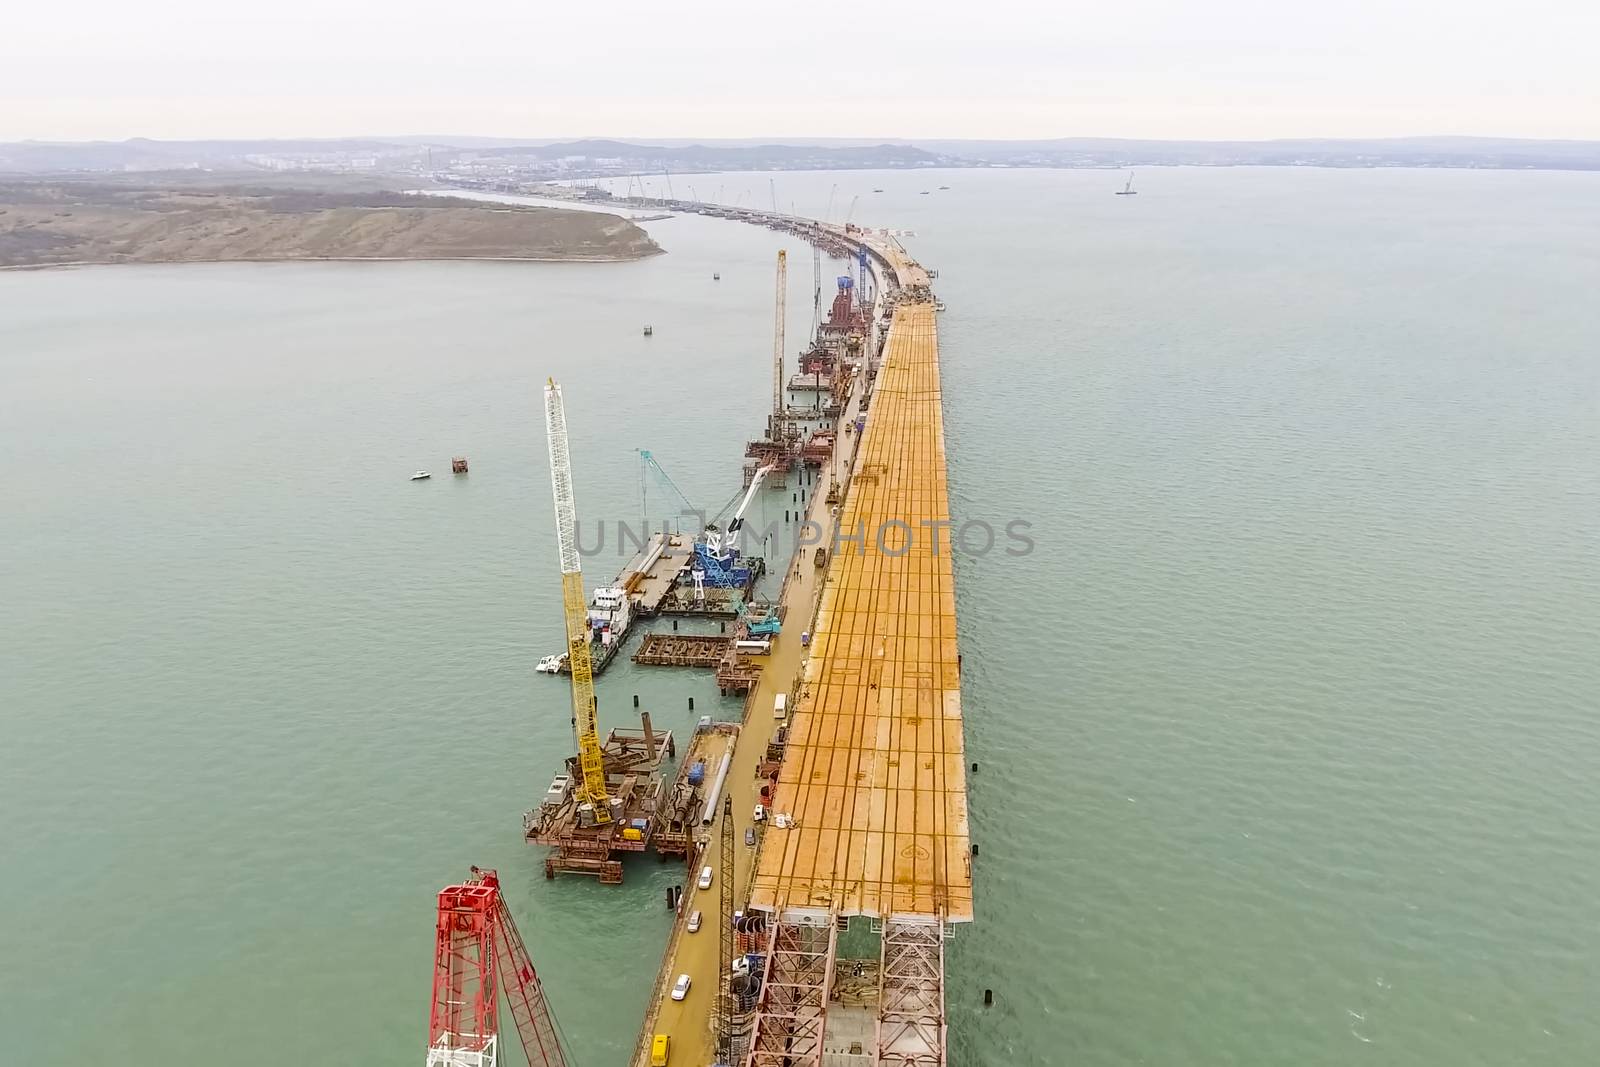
{"points": [[911, 1025], [794, 992]]}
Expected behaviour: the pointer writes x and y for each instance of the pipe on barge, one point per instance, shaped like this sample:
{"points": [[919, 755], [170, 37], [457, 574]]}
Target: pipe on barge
{"points": [[716, 791]]}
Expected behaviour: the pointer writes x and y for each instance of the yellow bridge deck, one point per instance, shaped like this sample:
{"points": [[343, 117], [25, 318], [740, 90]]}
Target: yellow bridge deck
{"points": [[874, 776]]}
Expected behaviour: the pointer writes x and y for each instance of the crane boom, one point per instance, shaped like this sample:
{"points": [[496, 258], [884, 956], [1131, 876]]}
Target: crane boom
{"points": [[777, 342], [585, 723], [736, 524], [816, 290], [525, 996], [478, 953]]}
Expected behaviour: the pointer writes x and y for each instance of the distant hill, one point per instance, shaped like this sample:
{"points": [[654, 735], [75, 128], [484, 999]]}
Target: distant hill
{"points": [[741, 157], [1486, 152], [594, 156]]}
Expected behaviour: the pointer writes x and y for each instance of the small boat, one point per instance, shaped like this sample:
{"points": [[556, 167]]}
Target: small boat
{"points": [[649, 331], [716, 277], [938, 305], [550, 664], [877, 190], [926, 192], [421, 476], [944, 187], [1128, 190]]}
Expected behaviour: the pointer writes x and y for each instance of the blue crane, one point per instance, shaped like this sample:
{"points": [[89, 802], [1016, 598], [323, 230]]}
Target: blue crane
{"points": [[651, 470]]}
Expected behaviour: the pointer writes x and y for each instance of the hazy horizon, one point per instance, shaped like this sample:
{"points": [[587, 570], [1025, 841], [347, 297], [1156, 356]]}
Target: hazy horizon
{"points": [[467, 140], [1025, 70]]}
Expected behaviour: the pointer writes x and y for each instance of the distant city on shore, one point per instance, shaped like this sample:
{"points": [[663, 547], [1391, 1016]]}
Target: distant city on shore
{"points": [[454, 159]]}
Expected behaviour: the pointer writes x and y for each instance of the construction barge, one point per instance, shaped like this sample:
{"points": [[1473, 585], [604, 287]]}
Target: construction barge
{"points": [[581, 841], [658, 580]]}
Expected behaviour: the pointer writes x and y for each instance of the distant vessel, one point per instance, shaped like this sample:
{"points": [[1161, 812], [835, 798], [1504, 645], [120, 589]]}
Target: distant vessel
{"points": [[551, 664], [1128, 190], [944, 187], [420, 476], [649, 331], [877, 190], [924, 192], [716, 277]]}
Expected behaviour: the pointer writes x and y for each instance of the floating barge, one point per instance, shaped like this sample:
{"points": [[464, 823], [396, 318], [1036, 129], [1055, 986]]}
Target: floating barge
{"points": [[579, 844], [650, 585], [682, 650]]}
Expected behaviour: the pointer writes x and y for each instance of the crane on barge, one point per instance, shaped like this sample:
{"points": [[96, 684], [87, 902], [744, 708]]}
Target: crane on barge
{"points": [[591, 761], [478, 953]]}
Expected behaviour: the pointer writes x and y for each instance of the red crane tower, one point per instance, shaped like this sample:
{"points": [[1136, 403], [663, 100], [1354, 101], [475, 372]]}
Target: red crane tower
{"points": [[477, 953]]}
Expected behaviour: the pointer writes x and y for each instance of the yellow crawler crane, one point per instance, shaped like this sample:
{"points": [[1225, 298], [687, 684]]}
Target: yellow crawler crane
{"points": [[593, 788]]}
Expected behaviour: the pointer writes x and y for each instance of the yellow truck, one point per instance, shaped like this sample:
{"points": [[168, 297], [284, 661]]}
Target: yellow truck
{"points": [[658, 1051]]}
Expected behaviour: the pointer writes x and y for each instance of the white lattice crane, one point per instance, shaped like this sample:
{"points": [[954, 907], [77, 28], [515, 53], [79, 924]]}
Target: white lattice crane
{"points": [[592, 789]]}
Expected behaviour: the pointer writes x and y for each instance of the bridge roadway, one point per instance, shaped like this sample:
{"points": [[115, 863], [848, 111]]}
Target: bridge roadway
{"points": [[873, 781], [872, 788], [869, 817]]}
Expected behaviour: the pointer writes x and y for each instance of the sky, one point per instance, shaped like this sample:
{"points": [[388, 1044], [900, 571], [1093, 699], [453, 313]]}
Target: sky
{"points": [[991, 69]]}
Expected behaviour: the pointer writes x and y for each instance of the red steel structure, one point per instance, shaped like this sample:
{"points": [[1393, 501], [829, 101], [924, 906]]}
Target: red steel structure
{"points": [[477, 953]]}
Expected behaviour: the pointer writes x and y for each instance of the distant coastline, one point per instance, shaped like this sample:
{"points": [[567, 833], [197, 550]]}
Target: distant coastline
{"points": [[66, 223], [417, 160]]}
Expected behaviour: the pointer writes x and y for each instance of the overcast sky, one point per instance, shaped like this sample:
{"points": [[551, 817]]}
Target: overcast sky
{"points": [[872, 68]]}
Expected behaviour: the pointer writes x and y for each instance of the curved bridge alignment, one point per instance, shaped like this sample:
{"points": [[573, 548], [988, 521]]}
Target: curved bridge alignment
{"points": [[869, 816]]}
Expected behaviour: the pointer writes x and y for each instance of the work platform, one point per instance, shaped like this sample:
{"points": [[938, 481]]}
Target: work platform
{"points": [[682, 650], [869, 816]]}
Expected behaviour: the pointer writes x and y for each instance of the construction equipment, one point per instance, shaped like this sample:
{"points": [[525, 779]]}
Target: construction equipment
{"points": [[716, 556], [816, 289], [777, 343], [477, 954], [584, 720], [650, 467]]}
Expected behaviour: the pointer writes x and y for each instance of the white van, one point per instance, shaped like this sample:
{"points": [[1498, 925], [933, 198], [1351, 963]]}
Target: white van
{"points": [[780, 705], [705, 877]]}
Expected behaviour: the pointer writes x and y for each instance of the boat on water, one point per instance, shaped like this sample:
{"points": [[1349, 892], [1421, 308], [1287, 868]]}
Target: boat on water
{"points": [[421, 476], [877, 190], [926, 192], [944, 187], [716, 277], [1128, 190], [610, 616], [938, 305]]}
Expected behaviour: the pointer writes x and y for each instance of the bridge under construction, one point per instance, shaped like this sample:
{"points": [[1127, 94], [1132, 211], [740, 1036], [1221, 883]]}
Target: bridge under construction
{"points": [[846, 779], [869, 817], [862, 863]]}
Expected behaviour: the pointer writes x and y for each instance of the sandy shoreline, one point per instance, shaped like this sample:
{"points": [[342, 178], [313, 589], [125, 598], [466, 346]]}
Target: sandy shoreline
{"points": [[64, 223], [325, 259]]}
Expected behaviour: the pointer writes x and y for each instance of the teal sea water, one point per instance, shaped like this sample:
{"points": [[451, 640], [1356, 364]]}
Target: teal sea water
{"points": [[1287, 729]]}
